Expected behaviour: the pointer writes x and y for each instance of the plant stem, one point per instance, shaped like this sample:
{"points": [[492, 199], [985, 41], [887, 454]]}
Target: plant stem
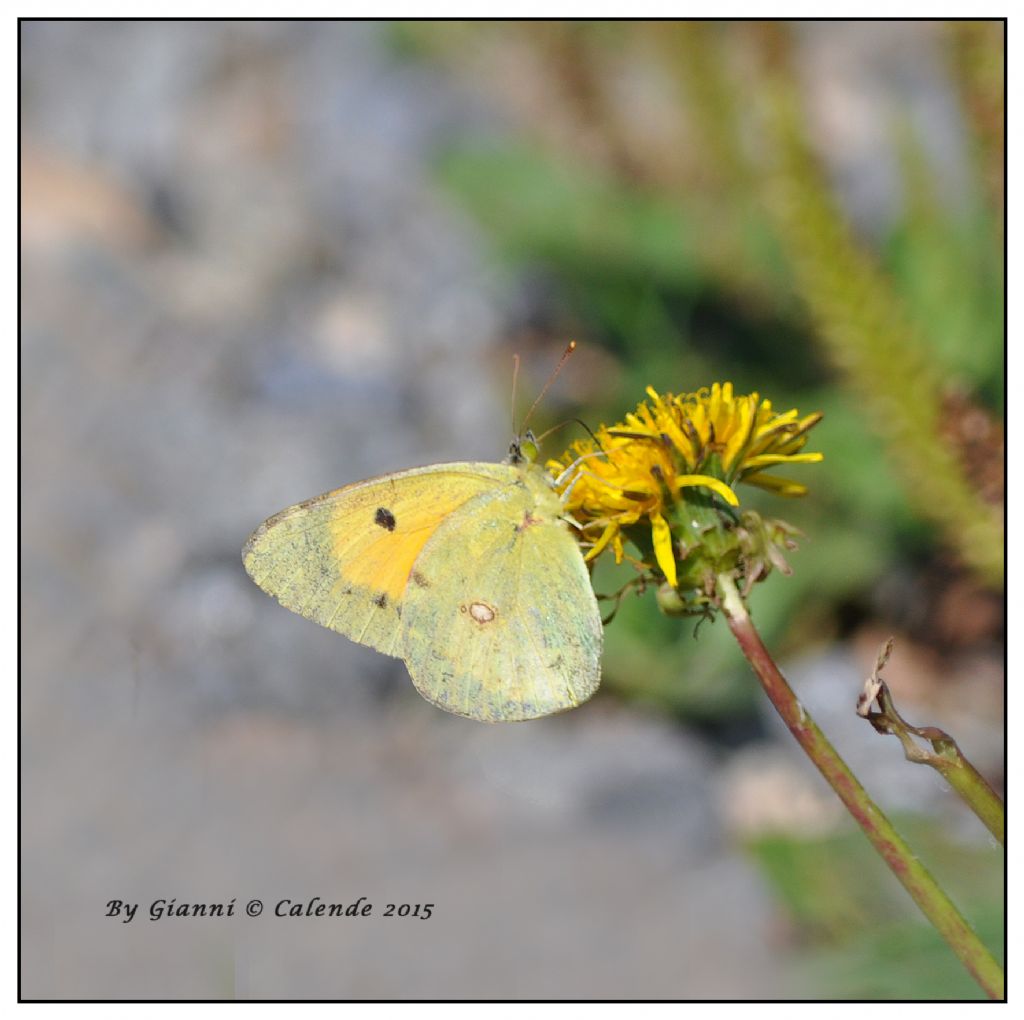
{"points": [[980, 797], [924, 890], [945, 757]]}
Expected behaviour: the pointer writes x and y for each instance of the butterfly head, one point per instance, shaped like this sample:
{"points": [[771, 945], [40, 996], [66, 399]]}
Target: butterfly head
{"points": [[524, 449]]}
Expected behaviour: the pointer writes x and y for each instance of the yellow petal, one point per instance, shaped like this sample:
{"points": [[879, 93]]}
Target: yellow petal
{"points": [[781, 486], [662, 536], [745, 413], [617, 547], [764, 459], [599, 546], [714, 484]]}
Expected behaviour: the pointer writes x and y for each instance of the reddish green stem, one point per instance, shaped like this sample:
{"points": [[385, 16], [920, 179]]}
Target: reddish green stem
{"points": [[924, 890]]}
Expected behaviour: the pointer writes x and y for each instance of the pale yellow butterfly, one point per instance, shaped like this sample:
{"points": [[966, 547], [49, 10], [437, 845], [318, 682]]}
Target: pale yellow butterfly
{"points": [[467, 571]]}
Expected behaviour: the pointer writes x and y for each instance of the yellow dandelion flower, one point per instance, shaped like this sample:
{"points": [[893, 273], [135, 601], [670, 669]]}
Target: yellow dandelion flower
{"points": [[675, 453]]}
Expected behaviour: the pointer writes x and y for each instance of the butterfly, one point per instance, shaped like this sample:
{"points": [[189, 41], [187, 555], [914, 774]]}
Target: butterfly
{"points": [[466, 571]]}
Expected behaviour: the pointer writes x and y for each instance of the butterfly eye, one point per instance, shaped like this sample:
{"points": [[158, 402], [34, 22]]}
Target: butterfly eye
{"points": [[528, 448]]}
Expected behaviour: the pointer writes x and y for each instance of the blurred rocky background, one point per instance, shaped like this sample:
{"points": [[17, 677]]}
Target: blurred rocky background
{"points": [[260, 260]]}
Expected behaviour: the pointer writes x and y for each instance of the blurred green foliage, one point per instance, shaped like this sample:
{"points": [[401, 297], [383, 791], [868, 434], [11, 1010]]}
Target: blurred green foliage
{"points": [[864, 938], [950, 274]]}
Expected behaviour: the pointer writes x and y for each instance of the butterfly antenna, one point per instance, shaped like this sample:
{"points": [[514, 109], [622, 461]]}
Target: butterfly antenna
{"points": [[515, 383], [562, 424], [551, 378]]}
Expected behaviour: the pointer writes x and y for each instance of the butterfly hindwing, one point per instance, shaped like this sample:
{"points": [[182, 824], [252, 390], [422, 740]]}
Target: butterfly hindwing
{"points": [[345, 559], [500, 621]]}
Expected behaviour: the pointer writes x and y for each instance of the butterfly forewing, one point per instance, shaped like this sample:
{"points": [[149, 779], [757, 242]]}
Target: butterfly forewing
{"points": [[346, 558]]}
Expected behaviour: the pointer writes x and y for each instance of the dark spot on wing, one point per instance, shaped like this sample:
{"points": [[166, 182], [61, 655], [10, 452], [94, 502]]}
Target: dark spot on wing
{"points": [[385, 518], [381, 600], [419, 580]]}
